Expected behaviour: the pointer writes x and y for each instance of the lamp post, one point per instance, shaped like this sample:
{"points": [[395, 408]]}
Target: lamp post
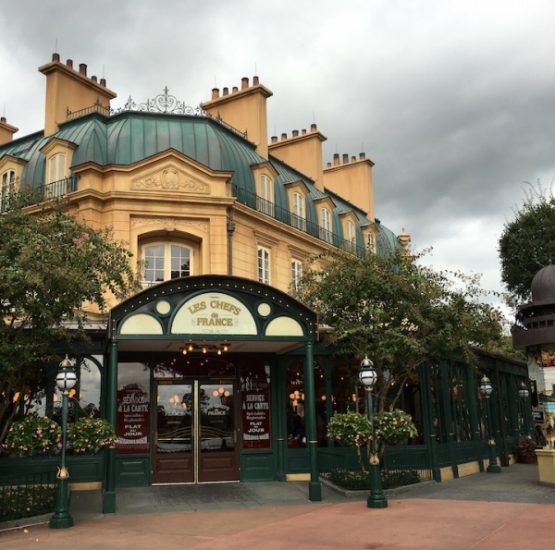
{"points": [[66, 378], [486, 389], [524, 393], [367, 376]]}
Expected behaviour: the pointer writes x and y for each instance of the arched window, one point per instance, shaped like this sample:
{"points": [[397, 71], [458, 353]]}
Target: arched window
{"points": [[7, 189], [164, 261], [325, 230], [298, 219], [265, 198]]}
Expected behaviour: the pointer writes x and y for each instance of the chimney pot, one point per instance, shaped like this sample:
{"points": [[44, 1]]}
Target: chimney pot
{"points": [[353, 159], [303, 132], [103, 82], [225, 91], [234, 89], [255, 81], [244, 83], [83, 69], [283, 136], [93, 78], [328, 165], [55, 57], [215, 93], [69, 63], [3, 119], [313, 127], [336, 159], [345, 158], [295, 133], [274, 139], [362, 156]]}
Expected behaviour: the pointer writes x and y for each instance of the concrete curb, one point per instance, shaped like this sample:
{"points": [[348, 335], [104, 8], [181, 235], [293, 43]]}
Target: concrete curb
{"points": [[14, 524], [364, 493]]}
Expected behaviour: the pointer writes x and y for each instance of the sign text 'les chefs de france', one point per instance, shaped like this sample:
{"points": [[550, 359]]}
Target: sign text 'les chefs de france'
{"points": [[213, 313]]}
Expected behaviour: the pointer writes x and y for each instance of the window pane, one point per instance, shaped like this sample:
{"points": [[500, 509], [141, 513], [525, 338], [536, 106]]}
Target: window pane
{"points": [[88, 397], [295, 408], [180, 263]]}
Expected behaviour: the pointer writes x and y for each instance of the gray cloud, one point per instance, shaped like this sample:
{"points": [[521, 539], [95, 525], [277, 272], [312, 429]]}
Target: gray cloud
{"points": [[452, 100]]}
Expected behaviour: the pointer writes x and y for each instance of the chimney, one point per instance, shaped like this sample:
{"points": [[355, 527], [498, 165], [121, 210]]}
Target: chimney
{"points": [[70, 90], [303, 152], [244, 109], [6, 131], [274, 139], [352, 181]]}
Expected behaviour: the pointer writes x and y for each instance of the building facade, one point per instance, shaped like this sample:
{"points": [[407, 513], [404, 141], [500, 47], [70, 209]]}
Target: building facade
{"points": [[214, 372]]}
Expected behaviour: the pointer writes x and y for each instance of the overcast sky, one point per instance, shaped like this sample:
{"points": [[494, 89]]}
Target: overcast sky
{"points": [[453, 101]]}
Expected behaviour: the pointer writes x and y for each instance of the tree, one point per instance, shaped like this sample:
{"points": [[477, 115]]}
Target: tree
{"points": [[400, 313], [50, 264], [528, 243]]}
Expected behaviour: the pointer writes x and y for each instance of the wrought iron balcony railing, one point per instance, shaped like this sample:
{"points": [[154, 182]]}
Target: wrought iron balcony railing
{"points": [[284, 215]]}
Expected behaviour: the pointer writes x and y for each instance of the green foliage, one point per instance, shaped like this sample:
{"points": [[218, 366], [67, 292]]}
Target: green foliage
{"points": [[90, 435], [399, 312], [22, 501], [359, 481], [34, 435], [352, 429], [50, 264], [528, 243], [393, 427]]}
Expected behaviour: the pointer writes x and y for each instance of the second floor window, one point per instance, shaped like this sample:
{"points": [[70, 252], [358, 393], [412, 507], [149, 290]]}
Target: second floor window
{"points": [[350, 236], [263, 257], [296, 274], [57, 167], [265, 199], [164, 261], [325, 230], [7, 189], [298, 216]]}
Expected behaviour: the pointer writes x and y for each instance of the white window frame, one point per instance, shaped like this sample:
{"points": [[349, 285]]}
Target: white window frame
{"points": [[265, 199], [298, 218], [351, 236], [326, 231], [7, 189], [56, 167], [296, 273], [263, 264], [166, 257]]}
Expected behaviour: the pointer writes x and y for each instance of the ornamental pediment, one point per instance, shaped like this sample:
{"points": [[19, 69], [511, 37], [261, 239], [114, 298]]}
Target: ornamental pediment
{"points": [[170, 178]]}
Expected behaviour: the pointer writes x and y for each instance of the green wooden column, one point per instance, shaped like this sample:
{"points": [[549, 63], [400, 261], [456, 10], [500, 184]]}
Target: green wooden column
{"points": [[471, 388], [279, 382], [314, 487], [448, 414], [109, 492], [428, 435], [329, 392]]}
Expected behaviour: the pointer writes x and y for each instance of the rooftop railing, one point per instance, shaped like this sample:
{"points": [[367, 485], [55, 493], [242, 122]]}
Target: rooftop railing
{"points": [[256, 202]]}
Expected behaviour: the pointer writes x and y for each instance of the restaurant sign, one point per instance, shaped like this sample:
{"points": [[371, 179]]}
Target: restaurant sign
{"points": [[132, 420], [255, 409]]}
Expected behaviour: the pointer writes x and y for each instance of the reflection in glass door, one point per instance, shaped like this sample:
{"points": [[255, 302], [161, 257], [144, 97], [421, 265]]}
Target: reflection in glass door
{"points": [[195, 433], [174, 441]]}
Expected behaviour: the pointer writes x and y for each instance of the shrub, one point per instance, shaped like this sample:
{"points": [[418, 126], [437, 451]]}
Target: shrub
{"points": [[90, 435], [359, 481], [352, 429], [21, 501], [34, 435], [393, 427]]}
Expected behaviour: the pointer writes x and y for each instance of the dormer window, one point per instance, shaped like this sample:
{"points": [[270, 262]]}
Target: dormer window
{"points": [[325, 230], [350, 236], [7, 189], [298, 217], [265, 197], [56, 183]]}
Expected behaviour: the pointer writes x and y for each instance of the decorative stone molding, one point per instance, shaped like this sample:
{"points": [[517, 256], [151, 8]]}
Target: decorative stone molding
{"points": [[169, 223], [170, 179]]}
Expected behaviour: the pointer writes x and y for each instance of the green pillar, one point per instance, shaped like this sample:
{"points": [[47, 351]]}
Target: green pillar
{"points": [[329, 392], [448, 413], [428, 431], [109, 492], [314, 488], [279, 384]]}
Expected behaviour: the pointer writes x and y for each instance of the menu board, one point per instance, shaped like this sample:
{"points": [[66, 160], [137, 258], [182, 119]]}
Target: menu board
{"points": [[132, 420], [255, 409]]}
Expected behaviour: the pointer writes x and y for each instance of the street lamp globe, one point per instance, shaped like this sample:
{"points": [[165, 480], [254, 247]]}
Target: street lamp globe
{"points": [[523, 390], [486, 389], [66, 377], [367, 374]]}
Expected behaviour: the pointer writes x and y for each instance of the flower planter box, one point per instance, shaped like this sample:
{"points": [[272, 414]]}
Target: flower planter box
{"points": [[546, 465]]}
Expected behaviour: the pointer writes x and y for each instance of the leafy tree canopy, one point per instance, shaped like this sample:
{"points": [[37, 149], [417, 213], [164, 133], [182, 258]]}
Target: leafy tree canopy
{"points": [[528, 243], [50, 264], [400, 313]]}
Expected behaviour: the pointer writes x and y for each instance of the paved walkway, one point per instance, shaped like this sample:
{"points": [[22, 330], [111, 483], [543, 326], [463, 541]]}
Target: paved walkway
{"points": [[486, 511]]}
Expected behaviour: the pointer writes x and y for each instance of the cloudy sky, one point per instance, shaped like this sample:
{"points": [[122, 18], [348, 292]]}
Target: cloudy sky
{"points": [[453, 101]]}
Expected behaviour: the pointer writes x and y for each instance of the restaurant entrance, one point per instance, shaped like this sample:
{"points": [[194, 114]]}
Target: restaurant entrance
{"points": [[195, 437]]}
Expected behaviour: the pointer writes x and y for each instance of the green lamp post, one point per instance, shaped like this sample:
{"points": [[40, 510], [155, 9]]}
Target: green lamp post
{"points": [[367, 376], [524, 393], [66, 378], [486, 389]]}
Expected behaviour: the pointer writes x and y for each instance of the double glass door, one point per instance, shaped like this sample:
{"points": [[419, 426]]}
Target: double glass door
{"points": [[194, 432]]}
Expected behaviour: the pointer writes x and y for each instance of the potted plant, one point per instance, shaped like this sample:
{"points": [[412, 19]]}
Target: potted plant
{"points": [[526, 451], [34, 435], [90, 435]]}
